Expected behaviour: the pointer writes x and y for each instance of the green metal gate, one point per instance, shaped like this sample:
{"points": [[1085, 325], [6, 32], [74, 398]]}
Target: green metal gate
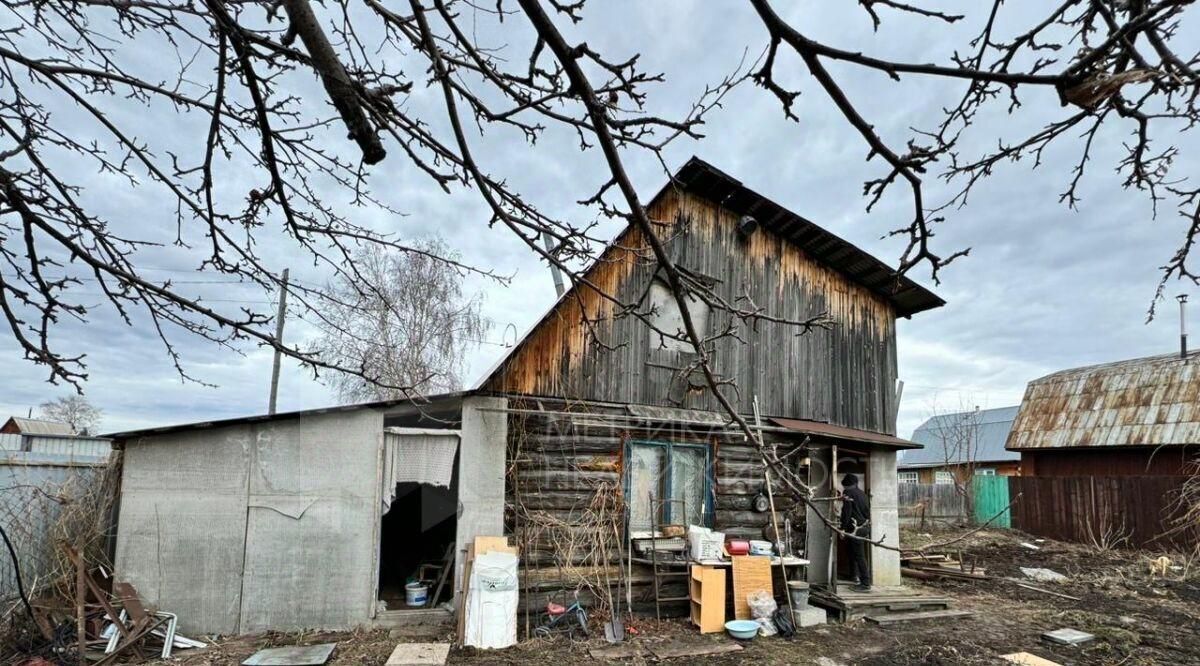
{"points": [[991, 497]]}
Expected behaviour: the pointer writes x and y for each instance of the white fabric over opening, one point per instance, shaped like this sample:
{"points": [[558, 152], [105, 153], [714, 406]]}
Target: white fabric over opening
{"points": [[417, 456]]}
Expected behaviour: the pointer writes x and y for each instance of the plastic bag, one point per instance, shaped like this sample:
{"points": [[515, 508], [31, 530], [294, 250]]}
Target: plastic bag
{"points": [[762, 607], [705, 544]]}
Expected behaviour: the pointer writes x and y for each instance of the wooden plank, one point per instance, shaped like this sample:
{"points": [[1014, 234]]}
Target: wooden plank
{"points": [[623, 651], [491, 544], [896, 618], [1027, 659], [750, 574], [693, 648]]}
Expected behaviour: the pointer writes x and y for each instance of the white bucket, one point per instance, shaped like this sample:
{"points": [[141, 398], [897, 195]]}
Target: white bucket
{"points": [[416, 594]]}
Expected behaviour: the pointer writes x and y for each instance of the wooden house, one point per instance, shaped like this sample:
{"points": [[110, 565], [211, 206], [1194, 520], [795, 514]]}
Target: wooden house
{"points": [[960, 445], [1106, 450], [1139, 417], [562, 446], [599, 403]]}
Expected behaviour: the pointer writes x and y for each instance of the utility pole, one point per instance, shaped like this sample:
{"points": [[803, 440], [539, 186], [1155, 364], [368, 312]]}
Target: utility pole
{"points": [[279, 319], [548, 241]]}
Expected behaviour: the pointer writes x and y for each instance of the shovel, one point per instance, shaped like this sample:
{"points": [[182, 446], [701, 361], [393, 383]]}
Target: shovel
{"points": [[614, 629]]}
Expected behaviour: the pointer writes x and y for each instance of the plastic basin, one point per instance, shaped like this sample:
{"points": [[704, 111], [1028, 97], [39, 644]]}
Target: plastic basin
{"points": [[743, 630]]}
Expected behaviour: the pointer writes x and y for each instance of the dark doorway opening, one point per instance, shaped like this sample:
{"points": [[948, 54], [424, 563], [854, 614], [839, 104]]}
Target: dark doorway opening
{"points": [[416, 544], [856, 464]]}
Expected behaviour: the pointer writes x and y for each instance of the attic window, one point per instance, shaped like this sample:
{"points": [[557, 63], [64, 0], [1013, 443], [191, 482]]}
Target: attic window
{"points": [[665, 317]]}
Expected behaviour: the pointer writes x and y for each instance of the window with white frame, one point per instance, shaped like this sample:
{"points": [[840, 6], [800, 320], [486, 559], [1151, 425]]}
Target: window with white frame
{"points": [[907, 477], [943, 478], [985, 471], [679, 471]]}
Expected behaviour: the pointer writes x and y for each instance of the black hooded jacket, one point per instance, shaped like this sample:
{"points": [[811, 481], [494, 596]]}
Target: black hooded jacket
{"points": [[856, 509]]}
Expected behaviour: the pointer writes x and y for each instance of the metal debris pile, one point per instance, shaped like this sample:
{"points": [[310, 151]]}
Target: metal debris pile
{"points": [[97, 621]]}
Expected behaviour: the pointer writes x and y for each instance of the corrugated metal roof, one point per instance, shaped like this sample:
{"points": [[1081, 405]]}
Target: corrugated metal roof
{"points": [[425, 401], [41, 427], [974, 436], [841, 432], [1151, 401]]}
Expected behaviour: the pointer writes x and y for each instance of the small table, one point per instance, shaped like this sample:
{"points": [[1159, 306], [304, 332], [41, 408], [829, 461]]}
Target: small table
{"points": [[790, 561]]}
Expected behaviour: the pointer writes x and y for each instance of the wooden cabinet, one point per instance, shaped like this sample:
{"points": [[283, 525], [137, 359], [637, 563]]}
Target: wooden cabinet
{"points": [[706, 589]]}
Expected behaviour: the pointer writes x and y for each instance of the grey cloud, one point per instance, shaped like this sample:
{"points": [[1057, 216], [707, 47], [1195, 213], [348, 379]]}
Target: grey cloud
{"points": [[1044, 287]]}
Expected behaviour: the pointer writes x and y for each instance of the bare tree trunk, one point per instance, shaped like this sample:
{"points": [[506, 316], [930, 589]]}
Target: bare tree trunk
{"points": [[342, 90]]}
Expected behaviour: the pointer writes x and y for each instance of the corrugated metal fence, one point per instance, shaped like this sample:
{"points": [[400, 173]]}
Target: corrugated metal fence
{"points": [[10, 442], [65, 445], [35, 491], [1133, 511]]}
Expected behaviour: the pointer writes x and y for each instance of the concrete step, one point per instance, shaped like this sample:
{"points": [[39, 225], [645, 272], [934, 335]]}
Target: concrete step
{"points": [[416, 616]]}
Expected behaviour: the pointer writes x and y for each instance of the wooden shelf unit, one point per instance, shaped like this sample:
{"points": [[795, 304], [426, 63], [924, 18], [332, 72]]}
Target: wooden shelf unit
{"points": [[706, 589]]}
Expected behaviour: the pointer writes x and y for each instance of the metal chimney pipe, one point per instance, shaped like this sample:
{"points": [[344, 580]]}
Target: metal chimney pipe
{"points": [[1183, 349]]}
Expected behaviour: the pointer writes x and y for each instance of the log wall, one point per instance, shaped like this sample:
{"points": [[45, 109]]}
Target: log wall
{"points": [[559, 464]]}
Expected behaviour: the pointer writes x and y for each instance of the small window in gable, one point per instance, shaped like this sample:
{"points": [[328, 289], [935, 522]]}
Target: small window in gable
{"points": [[666, 317]]}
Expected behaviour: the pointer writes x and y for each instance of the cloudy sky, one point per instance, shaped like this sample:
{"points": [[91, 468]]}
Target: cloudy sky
{"points": [[1044, 287]]}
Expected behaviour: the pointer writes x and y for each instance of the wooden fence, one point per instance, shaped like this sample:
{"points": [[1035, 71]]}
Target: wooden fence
{"points": [[1131, 511], [928, 504]]}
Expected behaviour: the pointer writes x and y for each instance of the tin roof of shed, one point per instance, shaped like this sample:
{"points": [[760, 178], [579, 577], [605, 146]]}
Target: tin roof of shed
{"points": [[1152, 401], [28, 426]]}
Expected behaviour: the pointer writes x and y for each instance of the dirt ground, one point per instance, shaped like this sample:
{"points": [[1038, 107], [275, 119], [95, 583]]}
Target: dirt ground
{"points": [[1137, 619]]}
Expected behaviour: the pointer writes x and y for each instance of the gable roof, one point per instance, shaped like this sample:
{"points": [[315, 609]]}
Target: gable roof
{"points": [[987, 429], [27, 426], [1153, 401], [704, 180]]}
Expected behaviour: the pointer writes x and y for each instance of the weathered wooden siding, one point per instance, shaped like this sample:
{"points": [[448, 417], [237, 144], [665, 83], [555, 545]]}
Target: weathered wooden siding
{"points": [[1127, 511], [1137, 461], [844, 375]]}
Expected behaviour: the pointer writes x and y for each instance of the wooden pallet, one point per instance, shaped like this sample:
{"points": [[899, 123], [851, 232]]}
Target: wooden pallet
{"points": [[848, 605]]}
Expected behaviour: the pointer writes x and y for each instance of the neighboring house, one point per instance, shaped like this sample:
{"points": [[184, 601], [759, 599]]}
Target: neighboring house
{"points": [[1130, 418], [20, 425], [311, 519], [52, 438], [960, 445]]}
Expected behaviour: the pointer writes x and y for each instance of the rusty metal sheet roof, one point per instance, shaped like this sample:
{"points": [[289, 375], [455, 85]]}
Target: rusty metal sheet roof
{"points": [[1151, 401], [832, 431]]}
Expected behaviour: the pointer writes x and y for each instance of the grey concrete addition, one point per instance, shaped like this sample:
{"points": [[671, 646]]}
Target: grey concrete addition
{"points": [[182, 525], [885, 517], [481, 466], [254, 526]]}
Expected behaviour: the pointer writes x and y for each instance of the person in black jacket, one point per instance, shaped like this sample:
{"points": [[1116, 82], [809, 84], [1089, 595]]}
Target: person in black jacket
{"points": [[856, 514]]}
